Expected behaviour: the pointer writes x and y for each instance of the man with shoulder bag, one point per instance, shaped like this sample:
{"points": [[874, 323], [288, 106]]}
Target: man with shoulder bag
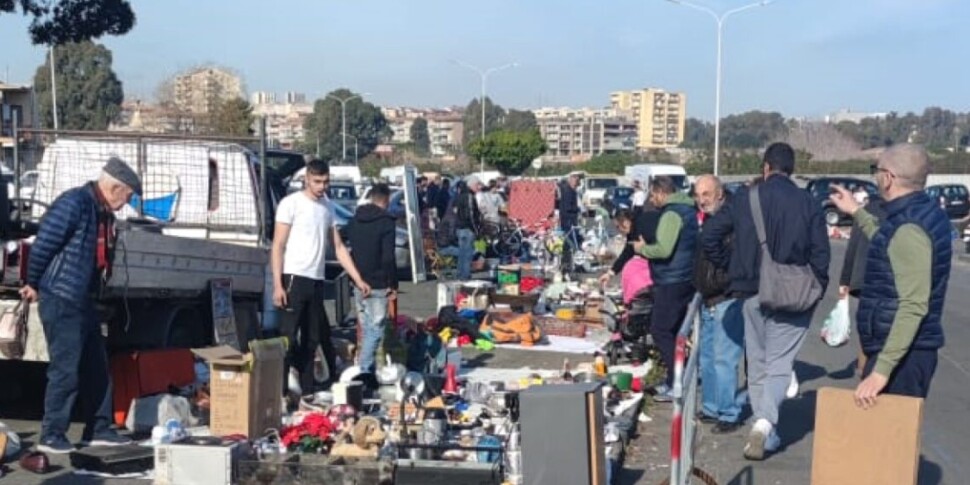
{"points": [[779, 264]]}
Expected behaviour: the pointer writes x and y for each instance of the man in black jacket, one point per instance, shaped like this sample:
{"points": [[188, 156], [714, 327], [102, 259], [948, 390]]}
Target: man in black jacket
{"points": [[722, 324], [372, 234], [795, 234], [469, 222]]}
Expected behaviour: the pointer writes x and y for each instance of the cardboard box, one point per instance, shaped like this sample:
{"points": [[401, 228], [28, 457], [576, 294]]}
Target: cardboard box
{"points": [[245, 388], [878, 446]]}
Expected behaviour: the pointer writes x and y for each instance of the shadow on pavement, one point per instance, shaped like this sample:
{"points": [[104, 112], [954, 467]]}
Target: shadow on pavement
{"points": [[929, 473], [844, 374], [479, 360], [797, 418], [629, 476], [807, 372], [744, 477]]}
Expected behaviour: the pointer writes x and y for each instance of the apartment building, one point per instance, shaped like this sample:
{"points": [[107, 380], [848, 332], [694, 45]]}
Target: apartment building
{"points": [[445, 127], [200, 90], [661, 116], [576, 135], [284, 121], [446, 131]]}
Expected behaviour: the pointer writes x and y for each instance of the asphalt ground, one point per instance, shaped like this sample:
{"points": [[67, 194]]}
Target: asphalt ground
{"points": [[945, 436]]}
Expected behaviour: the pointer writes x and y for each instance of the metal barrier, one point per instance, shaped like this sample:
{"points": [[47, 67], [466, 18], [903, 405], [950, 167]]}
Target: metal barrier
{"points": [[683, 428]]}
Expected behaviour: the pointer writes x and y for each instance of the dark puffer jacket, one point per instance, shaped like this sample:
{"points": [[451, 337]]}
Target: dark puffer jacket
{"points": [[880, 301], [62, 260]]}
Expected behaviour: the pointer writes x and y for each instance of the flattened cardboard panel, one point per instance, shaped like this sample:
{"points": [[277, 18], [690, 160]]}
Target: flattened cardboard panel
{"points": [[878, 446]]}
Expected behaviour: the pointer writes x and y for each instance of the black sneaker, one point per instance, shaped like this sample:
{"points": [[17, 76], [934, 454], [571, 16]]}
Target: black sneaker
{"points": [[107, 438], [58, 445], [726, 427], [706, 419]]}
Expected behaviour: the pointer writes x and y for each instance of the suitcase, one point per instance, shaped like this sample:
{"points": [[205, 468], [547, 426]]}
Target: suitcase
{"points": [[114, 460]]}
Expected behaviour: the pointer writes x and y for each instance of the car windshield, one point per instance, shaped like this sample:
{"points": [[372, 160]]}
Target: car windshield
{"points": [[623, 192], [680, 181], [342, 192], [601, 183], [955, 191]]}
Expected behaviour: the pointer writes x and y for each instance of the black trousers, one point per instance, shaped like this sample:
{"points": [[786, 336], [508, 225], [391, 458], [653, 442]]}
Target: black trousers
{"points": [[304, 323], [670, 304], [912, 374]]}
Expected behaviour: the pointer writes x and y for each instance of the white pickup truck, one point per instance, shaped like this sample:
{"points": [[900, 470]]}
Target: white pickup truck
{"points": [[199, 220]]}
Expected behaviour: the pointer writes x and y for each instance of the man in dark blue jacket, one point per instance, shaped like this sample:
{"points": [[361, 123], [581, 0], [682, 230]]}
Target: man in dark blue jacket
{"points": [[672, 270], [795, 234], [900, 317], [68, 261]]}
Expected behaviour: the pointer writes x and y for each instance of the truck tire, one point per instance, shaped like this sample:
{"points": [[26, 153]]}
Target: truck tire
{"points": [[188, 327]]}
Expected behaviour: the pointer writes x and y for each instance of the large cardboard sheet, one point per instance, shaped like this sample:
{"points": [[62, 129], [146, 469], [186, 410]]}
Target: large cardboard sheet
{"points": [[878, 446]]}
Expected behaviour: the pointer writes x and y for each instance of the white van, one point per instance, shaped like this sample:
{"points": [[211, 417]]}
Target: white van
{"points": [[644, 173]]}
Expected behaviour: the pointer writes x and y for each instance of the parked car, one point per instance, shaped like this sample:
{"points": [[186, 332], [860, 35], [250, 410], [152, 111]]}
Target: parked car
{"points": [[617, 198], [395, 205], [953, 198], [821, 187], [594, 188], [733, 187], [344, 194]]}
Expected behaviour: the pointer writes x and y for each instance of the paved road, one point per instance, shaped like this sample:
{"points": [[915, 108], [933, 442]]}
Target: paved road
{"points": [[946, 429]]}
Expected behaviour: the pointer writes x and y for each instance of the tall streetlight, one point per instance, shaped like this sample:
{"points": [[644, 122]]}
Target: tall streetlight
{"points": [[719, 18], [484, 75], [355, 148], [343, 111]]}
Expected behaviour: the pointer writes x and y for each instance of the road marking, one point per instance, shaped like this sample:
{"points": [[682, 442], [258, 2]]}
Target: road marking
{"points": [[956, 364]]}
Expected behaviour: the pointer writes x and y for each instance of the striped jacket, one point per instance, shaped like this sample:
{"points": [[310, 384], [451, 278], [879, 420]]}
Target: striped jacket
{"points": [[62, 259]]}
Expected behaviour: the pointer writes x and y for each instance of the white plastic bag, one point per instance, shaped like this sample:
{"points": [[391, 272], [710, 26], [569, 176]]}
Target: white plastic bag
{"points": [[837, 327]]}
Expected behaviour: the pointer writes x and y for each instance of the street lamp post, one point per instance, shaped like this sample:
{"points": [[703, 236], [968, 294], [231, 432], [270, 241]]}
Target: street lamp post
{"points": [[355, 148], [484, 75], [720, 19], [343, 111]]}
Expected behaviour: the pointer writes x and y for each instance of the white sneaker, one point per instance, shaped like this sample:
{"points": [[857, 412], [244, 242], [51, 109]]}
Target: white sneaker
{"points": [[759, 440], [293, 383], [773, 442], [792, 391]]}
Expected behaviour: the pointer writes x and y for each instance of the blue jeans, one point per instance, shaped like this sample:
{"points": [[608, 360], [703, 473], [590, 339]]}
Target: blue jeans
{"points": [[372, 314], [78, 369], [721, 349], [466, 250]]}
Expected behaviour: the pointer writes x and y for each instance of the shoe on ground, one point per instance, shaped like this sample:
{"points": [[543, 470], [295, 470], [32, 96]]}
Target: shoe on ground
{"points": [[726, 427], [793, 386], [109, 438], [664, 394], [761, 440], [706, 419], [58, 445], [293, 382], [35, 461]]}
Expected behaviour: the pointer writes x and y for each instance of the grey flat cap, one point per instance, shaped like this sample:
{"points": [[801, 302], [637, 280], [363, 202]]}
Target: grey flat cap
{"points": [[473, 180], [123, 173]]}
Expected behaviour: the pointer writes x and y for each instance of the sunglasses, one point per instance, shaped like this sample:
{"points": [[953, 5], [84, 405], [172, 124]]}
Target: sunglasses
{"points": [[875, 168]]}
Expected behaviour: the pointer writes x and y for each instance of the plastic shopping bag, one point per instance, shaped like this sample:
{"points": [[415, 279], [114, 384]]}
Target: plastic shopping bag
{"points": [[836, 329]]}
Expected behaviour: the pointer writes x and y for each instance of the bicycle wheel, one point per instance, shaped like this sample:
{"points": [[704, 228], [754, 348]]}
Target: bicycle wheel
{"points": [[512, 243]]}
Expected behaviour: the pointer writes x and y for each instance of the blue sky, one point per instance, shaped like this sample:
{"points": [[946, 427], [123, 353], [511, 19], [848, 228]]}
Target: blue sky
{"points": [[800, 57]]}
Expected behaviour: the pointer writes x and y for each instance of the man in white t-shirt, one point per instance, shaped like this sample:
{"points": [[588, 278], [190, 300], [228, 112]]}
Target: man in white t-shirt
{"points": [[639, 197], [305, 224]]}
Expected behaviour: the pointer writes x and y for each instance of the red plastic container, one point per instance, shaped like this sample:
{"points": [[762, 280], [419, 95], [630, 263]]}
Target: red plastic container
{"points": [[139, 374]]}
